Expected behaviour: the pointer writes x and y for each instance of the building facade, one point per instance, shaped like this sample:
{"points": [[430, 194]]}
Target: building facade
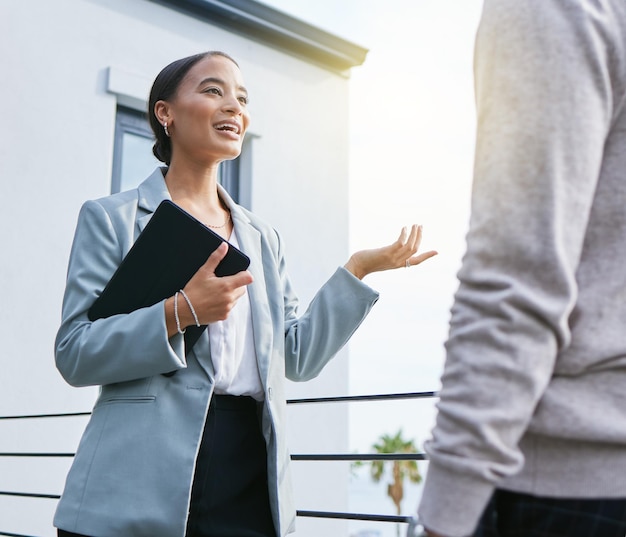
{"points": [[76, 75]]}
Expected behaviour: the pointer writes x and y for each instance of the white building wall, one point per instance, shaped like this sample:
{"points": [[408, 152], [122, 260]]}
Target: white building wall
{"points": [[56, 150]]}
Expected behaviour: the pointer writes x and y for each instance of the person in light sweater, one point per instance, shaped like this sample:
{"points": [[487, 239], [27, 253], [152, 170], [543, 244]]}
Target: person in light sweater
{"points": [[530, 437]]}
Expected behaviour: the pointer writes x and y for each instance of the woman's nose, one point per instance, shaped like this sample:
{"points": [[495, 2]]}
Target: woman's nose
{"points": [[233, 105]]}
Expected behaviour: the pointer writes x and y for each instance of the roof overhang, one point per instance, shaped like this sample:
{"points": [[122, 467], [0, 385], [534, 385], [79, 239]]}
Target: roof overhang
{"points": [[275, 28]]}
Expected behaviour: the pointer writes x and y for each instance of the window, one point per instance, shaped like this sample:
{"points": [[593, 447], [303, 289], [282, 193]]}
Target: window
{"points": [[133, 160]]}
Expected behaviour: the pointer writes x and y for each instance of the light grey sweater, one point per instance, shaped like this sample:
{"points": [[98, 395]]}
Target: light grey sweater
{"points": [[534, 386]]}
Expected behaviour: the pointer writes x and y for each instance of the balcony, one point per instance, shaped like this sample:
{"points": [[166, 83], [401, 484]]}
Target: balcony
{"points": [[33, 462]]}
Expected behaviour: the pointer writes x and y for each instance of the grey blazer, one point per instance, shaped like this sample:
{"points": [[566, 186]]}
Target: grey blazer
{"points": [[134, 467]]}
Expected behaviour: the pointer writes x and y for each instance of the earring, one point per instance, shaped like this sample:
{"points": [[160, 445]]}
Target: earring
{"points": [[167, 133]]}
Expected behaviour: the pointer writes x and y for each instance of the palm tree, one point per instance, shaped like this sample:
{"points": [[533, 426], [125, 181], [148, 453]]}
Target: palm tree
{"points": [[400, 469]]}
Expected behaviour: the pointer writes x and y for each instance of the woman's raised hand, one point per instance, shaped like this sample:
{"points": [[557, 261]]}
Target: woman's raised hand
{"points": [[401, 253]]}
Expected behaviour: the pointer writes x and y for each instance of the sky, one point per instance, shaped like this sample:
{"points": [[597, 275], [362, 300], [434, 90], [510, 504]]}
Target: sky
{"points": [[412, 123]]}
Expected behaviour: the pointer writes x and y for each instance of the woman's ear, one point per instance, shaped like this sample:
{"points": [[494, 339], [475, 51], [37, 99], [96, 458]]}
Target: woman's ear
{"points": [[162, 112]]}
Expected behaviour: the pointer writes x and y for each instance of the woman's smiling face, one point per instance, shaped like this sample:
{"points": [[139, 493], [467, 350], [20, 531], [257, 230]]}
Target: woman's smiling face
{"points": [[208, 116]]}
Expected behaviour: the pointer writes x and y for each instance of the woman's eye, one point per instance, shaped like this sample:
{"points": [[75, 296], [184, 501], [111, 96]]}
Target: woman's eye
{"points": [[214, 91], [243, 100]]}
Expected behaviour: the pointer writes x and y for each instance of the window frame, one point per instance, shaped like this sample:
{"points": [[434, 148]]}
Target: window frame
{"points": [[132, 121]]}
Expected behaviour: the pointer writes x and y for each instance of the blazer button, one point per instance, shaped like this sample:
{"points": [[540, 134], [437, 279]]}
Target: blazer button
{"points": [[269, 393]]}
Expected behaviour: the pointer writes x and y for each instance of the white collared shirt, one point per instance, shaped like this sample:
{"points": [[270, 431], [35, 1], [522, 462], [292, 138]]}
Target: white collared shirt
{"points": [[232, 350]]}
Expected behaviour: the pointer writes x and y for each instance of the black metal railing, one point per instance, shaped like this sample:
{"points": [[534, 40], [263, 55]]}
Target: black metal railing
{"points": [[294, 457]]}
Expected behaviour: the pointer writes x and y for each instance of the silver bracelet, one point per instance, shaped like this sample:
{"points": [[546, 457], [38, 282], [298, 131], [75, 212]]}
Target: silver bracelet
{"points": [[176, 314], [193, 312]]}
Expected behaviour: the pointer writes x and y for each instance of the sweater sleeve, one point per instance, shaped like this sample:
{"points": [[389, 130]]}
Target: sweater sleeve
{"points": [[544, 107]]}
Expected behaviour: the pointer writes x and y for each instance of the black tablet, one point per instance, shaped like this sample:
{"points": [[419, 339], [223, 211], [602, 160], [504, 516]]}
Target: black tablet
{"points": [[168, 252]]}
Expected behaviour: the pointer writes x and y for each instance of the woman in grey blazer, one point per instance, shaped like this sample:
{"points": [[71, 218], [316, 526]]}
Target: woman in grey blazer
{"points": [[200, 453]]}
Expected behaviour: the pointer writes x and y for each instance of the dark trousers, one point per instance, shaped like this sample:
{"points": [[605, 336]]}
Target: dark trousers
{"points": [[510, 514], [229, 496]]}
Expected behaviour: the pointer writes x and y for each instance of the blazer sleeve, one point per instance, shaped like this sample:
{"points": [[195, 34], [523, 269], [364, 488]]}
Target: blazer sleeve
{"points": [[336, 311], [121, 347]]}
